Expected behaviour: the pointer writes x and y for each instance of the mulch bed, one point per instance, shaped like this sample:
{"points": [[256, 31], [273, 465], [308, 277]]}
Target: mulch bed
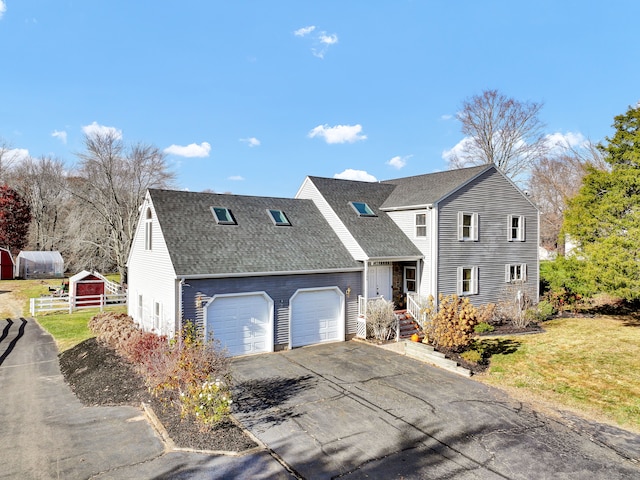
{"points": [[98, 376]]}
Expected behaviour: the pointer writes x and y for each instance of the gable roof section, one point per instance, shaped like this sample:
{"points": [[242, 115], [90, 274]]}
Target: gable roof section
{"points": [[199, 246], [423, 190], [378, 236]]}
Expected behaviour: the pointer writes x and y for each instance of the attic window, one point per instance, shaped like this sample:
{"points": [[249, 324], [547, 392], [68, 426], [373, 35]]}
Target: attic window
{"points": [[363, 209], [279, 218], [223, 216]]}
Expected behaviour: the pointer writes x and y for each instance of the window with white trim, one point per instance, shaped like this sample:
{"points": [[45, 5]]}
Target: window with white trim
{"points": [[421, 224], [410, 280], [467, 281], [223, 216], [362, 209], [467, 226], [156, 316], [279, 218], [140, 311], [148, 230], [515, 228], [515, 272]]}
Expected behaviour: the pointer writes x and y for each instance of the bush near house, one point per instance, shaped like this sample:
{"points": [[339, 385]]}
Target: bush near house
{"points": [[188, 373]]}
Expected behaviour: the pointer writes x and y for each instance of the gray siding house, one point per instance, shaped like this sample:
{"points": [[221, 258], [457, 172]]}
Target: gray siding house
{"points": [[468, 232], [261, 274]]}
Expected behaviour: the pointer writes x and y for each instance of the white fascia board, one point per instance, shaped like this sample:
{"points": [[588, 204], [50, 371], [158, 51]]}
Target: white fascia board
{"points": [[268, 274], [426, 206]]}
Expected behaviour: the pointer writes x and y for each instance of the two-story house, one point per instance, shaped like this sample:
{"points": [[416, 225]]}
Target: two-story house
{"points": [[266, 273]]}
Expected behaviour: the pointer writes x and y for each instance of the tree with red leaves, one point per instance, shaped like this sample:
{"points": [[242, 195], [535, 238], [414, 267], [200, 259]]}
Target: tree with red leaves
{"points": [[15, 217]]}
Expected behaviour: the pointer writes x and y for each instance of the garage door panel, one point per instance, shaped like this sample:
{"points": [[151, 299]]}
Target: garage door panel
{"points": [[317, 316], [242, 323]]}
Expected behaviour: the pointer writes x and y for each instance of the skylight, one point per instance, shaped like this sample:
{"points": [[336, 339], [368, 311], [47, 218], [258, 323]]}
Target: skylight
{"points": [[223, 216], [279, 218], [363, 209]]}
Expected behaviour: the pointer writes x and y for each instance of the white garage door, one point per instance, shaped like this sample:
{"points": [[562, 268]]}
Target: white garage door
{"points": [[317, 315], [241, 322]]}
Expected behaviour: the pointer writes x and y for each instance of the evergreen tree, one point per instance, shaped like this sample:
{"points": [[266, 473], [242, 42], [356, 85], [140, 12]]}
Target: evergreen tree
{"points": [[604, 217]]}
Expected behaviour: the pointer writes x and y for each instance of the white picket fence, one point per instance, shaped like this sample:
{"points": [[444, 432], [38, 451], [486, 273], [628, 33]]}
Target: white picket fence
{"points": [[52, 303]]}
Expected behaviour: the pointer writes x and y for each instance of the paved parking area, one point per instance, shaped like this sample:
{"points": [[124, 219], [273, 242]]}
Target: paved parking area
{"points": [[352, 410]]}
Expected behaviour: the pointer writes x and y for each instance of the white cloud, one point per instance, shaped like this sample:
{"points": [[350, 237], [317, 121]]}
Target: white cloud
{"points": [[398, 161], [301, 32], [61, 135], [338, 133], [3, 8], [13, 155], [446, 117], [251, 141], [561, 141], [458, 150], [95, 129], [193, 150], [360, 175], [236, 178], [328, 39], [320, 41]]}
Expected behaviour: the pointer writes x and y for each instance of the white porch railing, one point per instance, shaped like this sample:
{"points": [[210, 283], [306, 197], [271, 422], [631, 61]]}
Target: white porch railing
{"points": [[55, 303], [361, 331], [415, 306]]}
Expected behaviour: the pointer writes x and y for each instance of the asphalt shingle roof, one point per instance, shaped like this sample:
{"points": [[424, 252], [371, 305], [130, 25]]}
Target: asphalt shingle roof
{"points": [[429, 188], [199, 246], [378, 236]]}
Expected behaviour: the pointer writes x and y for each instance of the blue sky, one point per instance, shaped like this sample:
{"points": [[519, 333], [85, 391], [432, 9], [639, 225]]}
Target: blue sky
{"points": [[249, 97]]}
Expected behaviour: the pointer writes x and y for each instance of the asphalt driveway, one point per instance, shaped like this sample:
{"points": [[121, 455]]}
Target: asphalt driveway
{"points": [[46, 433], [352, 410]]}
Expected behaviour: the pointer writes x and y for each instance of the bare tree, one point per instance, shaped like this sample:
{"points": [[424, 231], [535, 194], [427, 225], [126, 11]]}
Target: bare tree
{"points": [[502, 131], [112, 182], [556, 179], [42, 182], [8, 158]]}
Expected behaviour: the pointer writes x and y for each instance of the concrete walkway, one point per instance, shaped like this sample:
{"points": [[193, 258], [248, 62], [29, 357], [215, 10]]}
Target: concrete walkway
{"points": [[351, 410], [46, 433]]}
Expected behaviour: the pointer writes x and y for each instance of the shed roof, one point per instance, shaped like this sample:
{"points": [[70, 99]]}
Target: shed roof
{"points": [[198, 245]]}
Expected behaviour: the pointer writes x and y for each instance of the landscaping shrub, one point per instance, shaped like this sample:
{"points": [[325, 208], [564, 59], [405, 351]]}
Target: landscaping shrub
{"points": [[451, 324], [189, 373], [483, 327], [113, 329], [473, 356], [514, 305], [381, 321]]}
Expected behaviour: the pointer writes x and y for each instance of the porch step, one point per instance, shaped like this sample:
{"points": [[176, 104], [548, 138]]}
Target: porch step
{"points": [[426, 353], [408, 325]]}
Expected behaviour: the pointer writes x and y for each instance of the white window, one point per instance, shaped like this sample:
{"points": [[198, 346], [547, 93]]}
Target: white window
{"points": [[421, 224], [156, 316], [467, 281], [148, 230], [140, 311], [467, 226], [515, 229], [410, 280], [515, 272]]}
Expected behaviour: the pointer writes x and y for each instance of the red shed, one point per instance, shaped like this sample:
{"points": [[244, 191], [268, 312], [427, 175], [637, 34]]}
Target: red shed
{"points": [[86, 284], [6, 264]]}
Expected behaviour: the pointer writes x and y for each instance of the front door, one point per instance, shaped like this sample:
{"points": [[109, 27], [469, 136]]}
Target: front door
{"points": [[379, 281]]}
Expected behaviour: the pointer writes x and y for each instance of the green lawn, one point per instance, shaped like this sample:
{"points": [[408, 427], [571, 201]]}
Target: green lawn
{"points": [[590, 365], [67, 329]]}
